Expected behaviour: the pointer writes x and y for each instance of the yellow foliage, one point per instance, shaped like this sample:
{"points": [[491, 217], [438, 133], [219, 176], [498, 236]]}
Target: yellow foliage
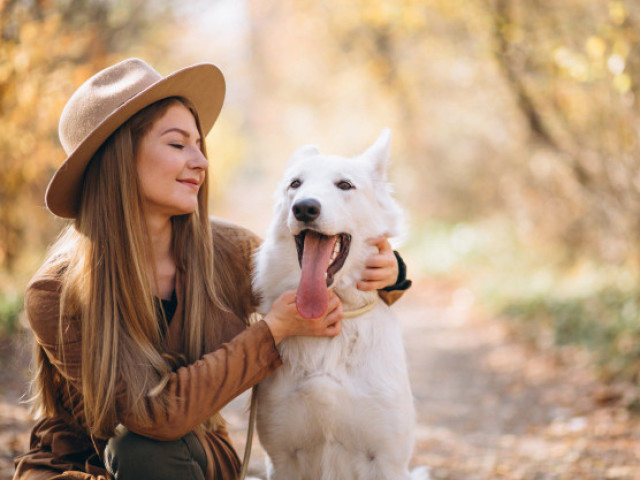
{"points": [[30, 31], [595, 47], [618, 12], [622, 83]]}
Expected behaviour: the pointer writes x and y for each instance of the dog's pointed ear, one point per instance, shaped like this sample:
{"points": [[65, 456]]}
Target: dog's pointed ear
{"points": [[303, 152], [379, 153]]}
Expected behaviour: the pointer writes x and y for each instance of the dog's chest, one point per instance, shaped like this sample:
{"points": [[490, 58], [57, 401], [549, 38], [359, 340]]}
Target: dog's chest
{"points": [[311, 355], [333, 387], [326, 374], [365, 352]]}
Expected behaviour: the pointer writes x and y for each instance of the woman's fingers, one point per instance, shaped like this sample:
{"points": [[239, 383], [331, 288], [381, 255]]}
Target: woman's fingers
{"points": [[381, 269], [284, 320]]}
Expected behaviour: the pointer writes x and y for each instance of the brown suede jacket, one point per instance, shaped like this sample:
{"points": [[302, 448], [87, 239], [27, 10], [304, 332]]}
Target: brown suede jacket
{"points": [[60, 446]]}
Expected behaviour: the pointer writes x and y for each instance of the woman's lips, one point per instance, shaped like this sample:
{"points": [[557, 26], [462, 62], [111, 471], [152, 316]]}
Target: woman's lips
{"points": [[190, 182]]}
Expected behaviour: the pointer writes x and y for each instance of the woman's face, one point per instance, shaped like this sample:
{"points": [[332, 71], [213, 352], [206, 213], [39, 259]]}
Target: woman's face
{"points": [[170, 165]]}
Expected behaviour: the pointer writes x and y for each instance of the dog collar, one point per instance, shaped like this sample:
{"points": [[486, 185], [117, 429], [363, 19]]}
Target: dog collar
{"points": [[362, 310]]}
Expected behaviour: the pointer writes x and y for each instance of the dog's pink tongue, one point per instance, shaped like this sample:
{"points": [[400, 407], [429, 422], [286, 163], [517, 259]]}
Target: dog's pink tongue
{"points": [[312, 295]]}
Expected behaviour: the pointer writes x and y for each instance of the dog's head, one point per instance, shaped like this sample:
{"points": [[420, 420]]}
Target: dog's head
{"points": [[331, 205]]}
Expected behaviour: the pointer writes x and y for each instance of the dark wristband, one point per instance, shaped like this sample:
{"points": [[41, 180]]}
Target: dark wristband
{"points": [[402, 282]]}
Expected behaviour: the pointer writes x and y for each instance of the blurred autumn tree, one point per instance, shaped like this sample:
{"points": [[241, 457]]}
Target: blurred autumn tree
{"points": [[47, 48], [573, 68], [528, 109]]}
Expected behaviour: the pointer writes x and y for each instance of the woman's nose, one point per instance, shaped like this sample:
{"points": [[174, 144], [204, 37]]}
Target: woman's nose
{"points": [[198, 161]]}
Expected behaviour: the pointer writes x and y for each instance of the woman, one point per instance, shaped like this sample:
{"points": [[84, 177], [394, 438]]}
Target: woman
{"points": [[140, 313]]}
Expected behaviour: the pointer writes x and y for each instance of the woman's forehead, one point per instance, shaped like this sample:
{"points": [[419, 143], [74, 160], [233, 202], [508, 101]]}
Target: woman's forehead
{"points": [[176, 118]]}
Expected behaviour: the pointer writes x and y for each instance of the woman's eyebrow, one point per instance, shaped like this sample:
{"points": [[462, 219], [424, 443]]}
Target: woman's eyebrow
{"points": [[182, 132]]}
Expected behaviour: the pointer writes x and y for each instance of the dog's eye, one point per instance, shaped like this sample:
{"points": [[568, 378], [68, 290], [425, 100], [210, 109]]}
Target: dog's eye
{"points": [[295, 184], [344, 185]]}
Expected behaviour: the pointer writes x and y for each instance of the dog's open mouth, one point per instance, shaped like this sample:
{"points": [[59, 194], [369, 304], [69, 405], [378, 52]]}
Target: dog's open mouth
{"points": [[319, 246], [320, 257]]}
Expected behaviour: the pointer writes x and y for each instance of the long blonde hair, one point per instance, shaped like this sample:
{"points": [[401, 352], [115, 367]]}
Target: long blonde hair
{"points": [[106, 285]]}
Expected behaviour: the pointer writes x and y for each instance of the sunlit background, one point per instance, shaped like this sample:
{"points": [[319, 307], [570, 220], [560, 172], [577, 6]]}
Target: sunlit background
{"points": [[515, 134], [515, 153]]}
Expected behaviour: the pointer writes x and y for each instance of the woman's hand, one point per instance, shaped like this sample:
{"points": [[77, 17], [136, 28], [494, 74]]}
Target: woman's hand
{"points": [[381, 269], [284, 320]]}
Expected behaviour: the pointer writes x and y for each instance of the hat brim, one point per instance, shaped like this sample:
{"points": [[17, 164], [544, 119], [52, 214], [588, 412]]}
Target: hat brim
{"points": [[202, 84]]}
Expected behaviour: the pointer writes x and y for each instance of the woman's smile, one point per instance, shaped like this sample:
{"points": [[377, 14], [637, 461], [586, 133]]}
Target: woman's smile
{"points": [[192, 183]]}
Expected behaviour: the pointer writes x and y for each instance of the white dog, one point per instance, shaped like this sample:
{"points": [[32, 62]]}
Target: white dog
{"points": [[339, 408]]}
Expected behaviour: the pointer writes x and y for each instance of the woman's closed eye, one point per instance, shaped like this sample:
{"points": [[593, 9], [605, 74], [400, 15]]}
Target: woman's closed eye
{"points": [[177, 145]]}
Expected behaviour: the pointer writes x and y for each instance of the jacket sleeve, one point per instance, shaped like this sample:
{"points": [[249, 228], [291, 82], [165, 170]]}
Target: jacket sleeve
{"points": [[197, 391], [194, 392]]}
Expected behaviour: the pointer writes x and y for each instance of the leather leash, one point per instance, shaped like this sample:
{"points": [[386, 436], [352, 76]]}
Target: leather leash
{"points": [[250, 429]]}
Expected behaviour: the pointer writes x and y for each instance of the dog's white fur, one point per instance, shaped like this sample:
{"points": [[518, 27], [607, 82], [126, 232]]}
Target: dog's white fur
{"points": [[339, 408]]}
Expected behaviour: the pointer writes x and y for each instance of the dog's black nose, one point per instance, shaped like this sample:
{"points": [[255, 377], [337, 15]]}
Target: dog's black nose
{"points": [[306, 210]]}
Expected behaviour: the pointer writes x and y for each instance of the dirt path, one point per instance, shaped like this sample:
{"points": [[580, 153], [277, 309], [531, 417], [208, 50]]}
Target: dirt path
{"points": [[489, 407]]}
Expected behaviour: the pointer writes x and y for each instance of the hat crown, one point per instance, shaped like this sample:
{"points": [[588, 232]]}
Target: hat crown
{"points": [[100, 96]]}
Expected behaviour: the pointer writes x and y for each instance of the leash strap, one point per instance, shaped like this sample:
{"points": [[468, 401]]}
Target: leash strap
{"points": [[250, 429]]}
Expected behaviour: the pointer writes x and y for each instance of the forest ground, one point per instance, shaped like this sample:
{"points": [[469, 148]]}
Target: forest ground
{"points": [[489, 405]]}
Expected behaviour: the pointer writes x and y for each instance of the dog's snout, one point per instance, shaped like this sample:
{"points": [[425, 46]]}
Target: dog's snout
{"points": [[306, 210]]}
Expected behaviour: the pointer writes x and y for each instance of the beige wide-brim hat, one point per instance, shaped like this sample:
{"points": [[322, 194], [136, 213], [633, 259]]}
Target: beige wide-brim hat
{"points": [[107, 100]]}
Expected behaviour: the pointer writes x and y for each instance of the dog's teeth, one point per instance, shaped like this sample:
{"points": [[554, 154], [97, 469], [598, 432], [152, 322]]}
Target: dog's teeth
{"points": [[336, 251]]}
